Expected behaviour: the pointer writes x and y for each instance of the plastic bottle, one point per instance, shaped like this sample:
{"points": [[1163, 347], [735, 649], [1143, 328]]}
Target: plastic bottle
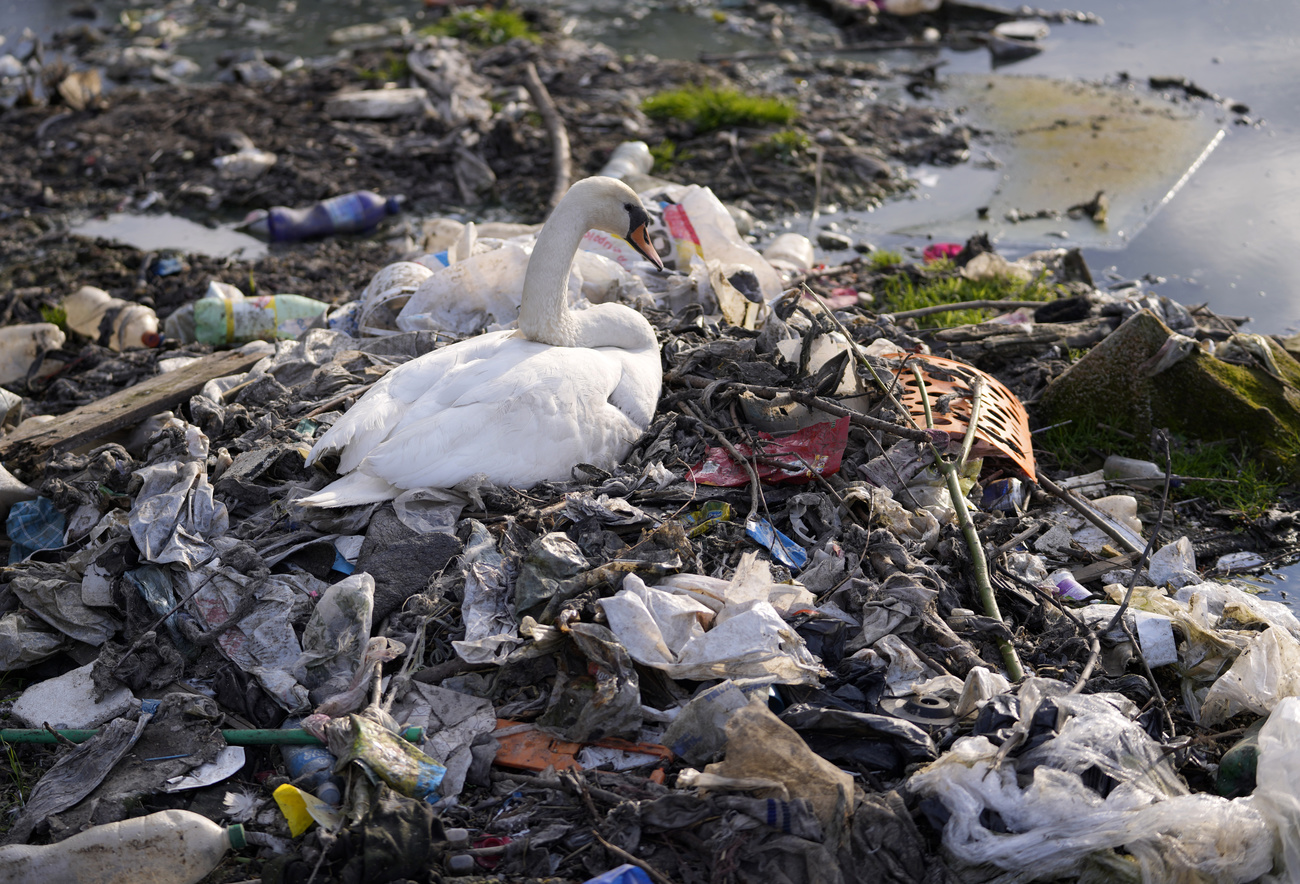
{"points": [[312, 768], [629, 158], [350, 213], [168, 847], [1139, 473], [791, 254], [22, 345], [111, 322], [266, 318]]}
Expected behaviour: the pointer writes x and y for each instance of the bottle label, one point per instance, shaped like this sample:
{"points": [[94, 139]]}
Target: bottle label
{"points": [[343, 211]]}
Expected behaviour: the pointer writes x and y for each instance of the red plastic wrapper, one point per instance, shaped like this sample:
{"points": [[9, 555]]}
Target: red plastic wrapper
{"points": [[939, 250], [784, 460]]}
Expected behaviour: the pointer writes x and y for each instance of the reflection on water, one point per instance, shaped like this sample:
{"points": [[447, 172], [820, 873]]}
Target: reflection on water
{"points": [[153, 233], [1227, 239]]}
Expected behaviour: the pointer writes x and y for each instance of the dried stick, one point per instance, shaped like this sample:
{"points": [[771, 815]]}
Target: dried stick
{"points": [[1087, 512], [979, 563], [561, 160], [964, 305]]}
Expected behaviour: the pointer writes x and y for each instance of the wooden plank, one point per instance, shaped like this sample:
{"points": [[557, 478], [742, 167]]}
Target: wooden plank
{"points": [[125, 408]]}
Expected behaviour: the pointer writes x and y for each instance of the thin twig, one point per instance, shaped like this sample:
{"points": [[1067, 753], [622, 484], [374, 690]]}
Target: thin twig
{"points": [[735, 455], [622, 854], [561, 160], [1087, 512], [963, 305], [1118, 619], [817, 190]]}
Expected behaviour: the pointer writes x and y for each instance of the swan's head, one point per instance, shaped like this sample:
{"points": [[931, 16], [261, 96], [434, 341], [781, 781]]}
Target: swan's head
{"points": [[615, 208]]}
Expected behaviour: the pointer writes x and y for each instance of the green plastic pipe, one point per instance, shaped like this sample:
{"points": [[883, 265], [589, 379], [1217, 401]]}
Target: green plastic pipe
{"points": [[254, 737]]}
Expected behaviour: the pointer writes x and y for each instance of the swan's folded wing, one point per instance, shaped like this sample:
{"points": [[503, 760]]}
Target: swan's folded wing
{"points": [[375, 414], [534, 420]]}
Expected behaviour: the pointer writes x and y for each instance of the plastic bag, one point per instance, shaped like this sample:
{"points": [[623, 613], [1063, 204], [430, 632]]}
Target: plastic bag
{"points": [[667, 631], [1277, 795], [760, 746], [1053, 823], [1265, 673]]}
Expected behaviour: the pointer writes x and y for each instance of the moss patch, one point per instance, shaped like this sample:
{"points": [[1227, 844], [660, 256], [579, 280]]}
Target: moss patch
{"points": [[707, 108], [1199, 397]]}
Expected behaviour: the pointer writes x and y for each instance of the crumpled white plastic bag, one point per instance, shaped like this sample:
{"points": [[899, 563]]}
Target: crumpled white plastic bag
{"points": [[1267, 671], [747, 639], [491, 629], [1054, 822], [175, 513]]}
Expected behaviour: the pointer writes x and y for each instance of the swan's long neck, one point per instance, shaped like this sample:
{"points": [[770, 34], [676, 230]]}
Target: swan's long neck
{"points": [[544, 314]]}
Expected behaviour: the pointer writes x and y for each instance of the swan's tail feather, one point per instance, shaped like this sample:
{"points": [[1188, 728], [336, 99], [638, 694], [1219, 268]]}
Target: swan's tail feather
{"points": [[351, 490]]}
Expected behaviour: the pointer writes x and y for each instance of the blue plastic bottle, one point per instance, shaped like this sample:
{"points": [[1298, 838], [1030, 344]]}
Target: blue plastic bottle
{"points": [[350, 213], [312, 768]]}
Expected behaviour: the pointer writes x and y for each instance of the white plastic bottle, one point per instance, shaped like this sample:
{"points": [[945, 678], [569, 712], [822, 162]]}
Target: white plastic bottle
{"points": [[22, 345], [111, 322], [168, 847], [628, 159]]}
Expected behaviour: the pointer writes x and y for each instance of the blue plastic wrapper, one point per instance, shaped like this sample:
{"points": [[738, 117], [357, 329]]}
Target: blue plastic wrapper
{"points": [[33, 525], [1004, 496], [783, 549], [624, 874]]}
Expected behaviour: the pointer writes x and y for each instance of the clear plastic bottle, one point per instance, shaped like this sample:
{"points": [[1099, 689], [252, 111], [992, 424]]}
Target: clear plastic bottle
{"points": [[111, 322], [265, 318], [350, 213], [168, 847]]}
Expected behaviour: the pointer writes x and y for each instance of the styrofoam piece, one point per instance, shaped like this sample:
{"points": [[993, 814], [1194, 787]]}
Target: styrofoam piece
{"points": [[68, 701]]}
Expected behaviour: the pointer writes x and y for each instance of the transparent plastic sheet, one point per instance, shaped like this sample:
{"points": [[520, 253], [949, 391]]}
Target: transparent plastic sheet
{"points": [[1277, 793], [334, 639], [174, 512], [1056, 825], [1267, 671], [491, 630]]}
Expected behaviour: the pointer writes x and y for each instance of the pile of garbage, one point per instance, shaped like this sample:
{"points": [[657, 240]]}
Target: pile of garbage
{"points": [[829, 620]]}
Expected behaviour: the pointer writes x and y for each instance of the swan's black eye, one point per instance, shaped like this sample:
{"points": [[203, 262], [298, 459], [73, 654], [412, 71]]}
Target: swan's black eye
{"points": [[636, 215]]}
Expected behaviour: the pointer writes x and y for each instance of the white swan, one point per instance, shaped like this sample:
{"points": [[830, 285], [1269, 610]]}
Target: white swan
{"points": [[568, 387]]}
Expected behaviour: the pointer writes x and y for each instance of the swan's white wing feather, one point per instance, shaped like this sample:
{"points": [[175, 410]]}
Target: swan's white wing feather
{"points": [[376, 413], [528, 412], [353, 489]]}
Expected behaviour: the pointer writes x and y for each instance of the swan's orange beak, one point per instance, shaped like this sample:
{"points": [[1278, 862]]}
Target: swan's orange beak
{"points": [[637, 237]]}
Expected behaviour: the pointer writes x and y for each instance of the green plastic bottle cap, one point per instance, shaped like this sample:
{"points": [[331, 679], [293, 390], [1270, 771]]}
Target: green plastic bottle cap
{"points": [[236, 833]]}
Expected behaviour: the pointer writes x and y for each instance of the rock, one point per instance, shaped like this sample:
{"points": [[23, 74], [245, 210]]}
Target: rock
{"points": [[68, 701], [833, 242], [401, 560], [1144, 377]]}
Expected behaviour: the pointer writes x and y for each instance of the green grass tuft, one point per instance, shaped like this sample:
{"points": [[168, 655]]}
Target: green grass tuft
{"points": [[1244, 485], [666, 155], [56, 315], [393, 69], [483, 27], [708, 108], [943, 285]]}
